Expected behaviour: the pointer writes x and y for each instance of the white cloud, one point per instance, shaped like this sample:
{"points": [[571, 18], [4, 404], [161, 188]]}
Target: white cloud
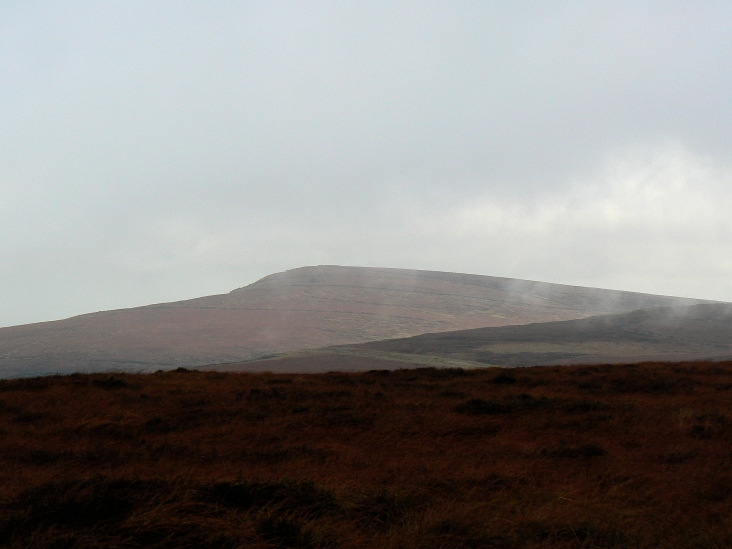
{"points": [[650, 217]]}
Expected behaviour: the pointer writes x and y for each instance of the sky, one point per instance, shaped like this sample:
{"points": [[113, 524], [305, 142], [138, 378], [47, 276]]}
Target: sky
{"points": [[159, 151]]}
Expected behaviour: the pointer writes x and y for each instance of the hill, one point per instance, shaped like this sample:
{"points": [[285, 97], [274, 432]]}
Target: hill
{"points": [[697, 332], [309, 307]]}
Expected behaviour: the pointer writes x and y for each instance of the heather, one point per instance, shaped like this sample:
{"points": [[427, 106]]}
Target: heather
{"points": [[581, 456]]}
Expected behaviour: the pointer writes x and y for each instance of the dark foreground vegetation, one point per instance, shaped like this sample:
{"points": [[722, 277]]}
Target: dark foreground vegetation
{"points": [[590, 456]]}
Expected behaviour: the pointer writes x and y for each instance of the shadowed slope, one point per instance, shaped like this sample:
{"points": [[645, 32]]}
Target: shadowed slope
{"points": [[302, 308], [687, 333]]}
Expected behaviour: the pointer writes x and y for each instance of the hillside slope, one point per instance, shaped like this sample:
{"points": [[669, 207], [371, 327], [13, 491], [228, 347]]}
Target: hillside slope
{"points": [[670, 333], [308, 307], [696, 332]]}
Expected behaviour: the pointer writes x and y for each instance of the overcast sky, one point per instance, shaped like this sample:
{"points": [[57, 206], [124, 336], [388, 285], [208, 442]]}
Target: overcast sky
{"points": [[157, 151]]}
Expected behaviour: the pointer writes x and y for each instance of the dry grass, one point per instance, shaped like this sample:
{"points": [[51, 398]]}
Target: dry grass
{"points": [[591, 456]]}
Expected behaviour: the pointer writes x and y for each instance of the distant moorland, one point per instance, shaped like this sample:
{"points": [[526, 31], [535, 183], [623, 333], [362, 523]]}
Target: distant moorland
{"points": [[667, 333]]}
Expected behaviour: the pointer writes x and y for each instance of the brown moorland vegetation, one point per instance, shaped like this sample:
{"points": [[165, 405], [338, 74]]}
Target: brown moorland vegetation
{"points": [[578, 456]]}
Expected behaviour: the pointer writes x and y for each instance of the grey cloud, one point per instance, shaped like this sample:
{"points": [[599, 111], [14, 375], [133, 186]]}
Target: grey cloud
{"points": [[154, 151]]}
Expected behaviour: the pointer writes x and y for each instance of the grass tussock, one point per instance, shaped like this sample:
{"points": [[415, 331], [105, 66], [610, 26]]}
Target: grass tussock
{"points": [[586, 456]]}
